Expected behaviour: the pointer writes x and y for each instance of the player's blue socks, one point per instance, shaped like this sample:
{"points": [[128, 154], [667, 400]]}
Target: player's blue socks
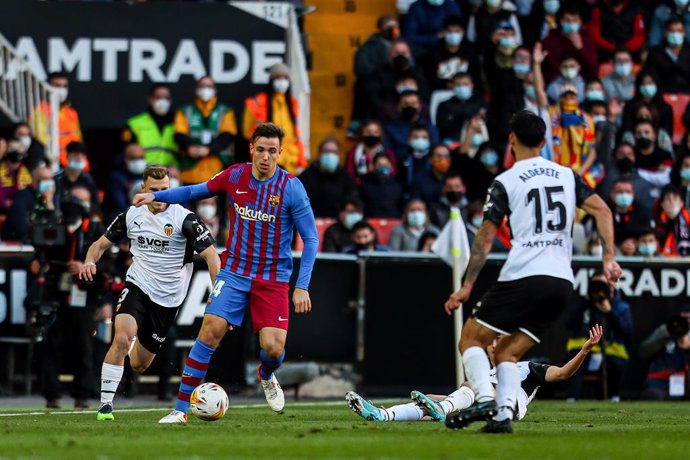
{"points": [[194, 372], [269, 365]]}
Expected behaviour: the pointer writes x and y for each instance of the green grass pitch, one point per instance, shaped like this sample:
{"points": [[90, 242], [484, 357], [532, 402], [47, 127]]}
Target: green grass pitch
{"points": [[552, 430]]}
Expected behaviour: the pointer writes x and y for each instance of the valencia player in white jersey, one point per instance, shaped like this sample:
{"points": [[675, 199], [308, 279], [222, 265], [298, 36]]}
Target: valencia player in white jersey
{"points": [[539, 198], [163, 241]]}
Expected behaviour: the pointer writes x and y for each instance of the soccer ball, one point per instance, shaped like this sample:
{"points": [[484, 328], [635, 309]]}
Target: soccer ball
{"points": [[208, 402]]}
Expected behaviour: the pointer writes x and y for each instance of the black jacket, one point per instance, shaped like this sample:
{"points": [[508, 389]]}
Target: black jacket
{"points": [[453, 113], [674, 76], [382, 197], [18, 223], [327, 191]]}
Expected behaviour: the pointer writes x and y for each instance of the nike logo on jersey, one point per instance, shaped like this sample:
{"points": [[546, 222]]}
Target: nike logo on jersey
{"points": [[280, 318], [240, 192]]}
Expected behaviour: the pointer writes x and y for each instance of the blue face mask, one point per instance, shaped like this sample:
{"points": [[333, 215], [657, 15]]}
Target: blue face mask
{"points": [[436, 2], [508, 42], [521, 68], [623, 70], [477, 221], [351, 218], [530, 92], [416, 218], [384, 170], [648, 90], [477, 139], [552, 6], [569, 73], [685, 174], [462, 92], [570, 27], [453, 38], [647, 249], [76, 165], [489, 158], [595, 95], [46, 185], [623, 200], [675, 38], [420, 144], [329, 161]]}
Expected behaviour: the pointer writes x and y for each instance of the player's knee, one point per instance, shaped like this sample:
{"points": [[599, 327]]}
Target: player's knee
{"points": [[139, 368], [273, 348], [121, 343], [506, 355]]}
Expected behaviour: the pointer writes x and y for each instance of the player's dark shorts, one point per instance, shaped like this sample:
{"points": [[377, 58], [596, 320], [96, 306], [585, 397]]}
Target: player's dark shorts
{"points": [[153, 320], [529, 305]]}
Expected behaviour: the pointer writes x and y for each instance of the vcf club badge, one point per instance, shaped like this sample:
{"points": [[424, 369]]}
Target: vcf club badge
{"points": [[168, 229], [274, 200]]}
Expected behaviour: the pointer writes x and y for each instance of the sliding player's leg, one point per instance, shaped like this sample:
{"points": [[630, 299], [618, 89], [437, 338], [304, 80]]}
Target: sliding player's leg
{"points": [[409, 412]]}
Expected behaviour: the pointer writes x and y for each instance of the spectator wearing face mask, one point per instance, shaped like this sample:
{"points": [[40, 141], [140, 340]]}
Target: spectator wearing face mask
{"points": [[453, 195], [487, 18], [204, 131], [622, 166], [539, 21], [452, 55], [671, 60], [680, 176], [339, 235], [570, 39], [207, 210], [425, 19], [37, 197], [617, 24], [360, 160], [276, 104], [381, 194], [416, 154], [646, 112], [478, 171], [364, 238], [475, 217], [673, 223], [653, 162], [154, 130], [325, 181], [474, 133], [69, 128], [405, 236], [34, 151], [647, 92], [620, 84], [662, 13], [647, 244], [130, 170], [570, 76], [397, 133], [13, 174], [628, 214], [427, 184], [594, 92], [453, 113], [74, 174]]}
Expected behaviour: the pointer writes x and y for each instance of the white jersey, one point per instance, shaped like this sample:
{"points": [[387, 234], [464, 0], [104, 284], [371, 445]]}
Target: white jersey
{"points": [[162, 247], [539, 198], [532, 376]]}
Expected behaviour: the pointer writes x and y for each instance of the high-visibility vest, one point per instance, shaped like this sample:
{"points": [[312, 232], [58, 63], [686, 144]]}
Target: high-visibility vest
{"points": [[69, 129], [201, 129], [159, 147]]}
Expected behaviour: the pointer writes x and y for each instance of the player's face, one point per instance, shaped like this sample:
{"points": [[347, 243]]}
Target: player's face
{"points": [[156, 185], [265, 153]]}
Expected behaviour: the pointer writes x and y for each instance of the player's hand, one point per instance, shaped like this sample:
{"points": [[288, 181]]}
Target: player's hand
{"points": [[87, 271], [594, 336], [301, 300], [612, 271], [74, 267], [458, 298], [142, 199]]}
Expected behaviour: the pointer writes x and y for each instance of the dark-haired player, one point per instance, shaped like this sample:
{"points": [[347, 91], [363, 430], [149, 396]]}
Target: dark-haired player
{"points": [[265, 204], [539, 198]]}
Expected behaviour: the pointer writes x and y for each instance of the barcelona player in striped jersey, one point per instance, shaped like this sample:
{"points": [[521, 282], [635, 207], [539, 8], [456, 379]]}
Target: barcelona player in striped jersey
{"points": [[265, 204]]}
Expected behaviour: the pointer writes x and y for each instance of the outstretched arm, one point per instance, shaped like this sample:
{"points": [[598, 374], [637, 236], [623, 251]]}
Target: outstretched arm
{"points": [[557, 374], [175, 195]]}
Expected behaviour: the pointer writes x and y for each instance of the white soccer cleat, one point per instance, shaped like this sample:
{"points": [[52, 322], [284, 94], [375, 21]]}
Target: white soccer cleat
{"points": [[174, 418], [274, 393]]}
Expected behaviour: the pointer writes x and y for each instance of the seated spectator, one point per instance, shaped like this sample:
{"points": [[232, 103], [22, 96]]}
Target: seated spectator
{"points": [[570, 76], [645, 112], [204, 132], [453, 195], [647, 92], [673, 223], [339, 235], [668, 349], [620, 83], [33, 150], [594, 92], [326, 182], [479, 171], [415, 221], [574, 137], [475, 217], [207, 210], [427, 184], [452, 55], [617, 24], [681, 175], [623, 166], [39, 195], [425, 19], [127, 172], [571, 40], [653, 162], [364, 239], [416, 159], [426, 241], [671, 60], [647, 243], [662, 13], [486, 19], [73, 174], [397, 133], [14, 176], [360, 160], [601, 305], [381, 194], [456, 111], [628, 214]]}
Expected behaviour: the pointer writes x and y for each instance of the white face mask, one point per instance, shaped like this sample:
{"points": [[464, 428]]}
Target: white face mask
{"points": [[205, 93], [136, 166], [161, 106], [62, 94], [281, 85], [206, 211], [26, 141]]}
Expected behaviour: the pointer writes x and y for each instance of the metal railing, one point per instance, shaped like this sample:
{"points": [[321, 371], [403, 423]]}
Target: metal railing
{"points": [[26, 97]]}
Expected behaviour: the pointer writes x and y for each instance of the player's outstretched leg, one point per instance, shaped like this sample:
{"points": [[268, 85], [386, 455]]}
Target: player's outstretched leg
{"points": [[431, 407], [272, 389], [363, 408], [194, 372]]}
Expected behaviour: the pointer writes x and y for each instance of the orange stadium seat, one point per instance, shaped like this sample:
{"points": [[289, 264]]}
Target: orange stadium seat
{"points": [[321, 225], [606, 68], [384, 228], [678, 103]]}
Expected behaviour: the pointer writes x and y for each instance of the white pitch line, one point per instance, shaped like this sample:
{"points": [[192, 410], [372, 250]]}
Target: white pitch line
{"points": [[161, 409]]}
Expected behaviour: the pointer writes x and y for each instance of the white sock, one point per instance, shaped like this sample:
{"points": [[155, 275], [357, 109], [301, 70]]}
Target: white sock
{"points": [[110, 379], [508, 376], [462, 398], [477, 367], [409, 412]]}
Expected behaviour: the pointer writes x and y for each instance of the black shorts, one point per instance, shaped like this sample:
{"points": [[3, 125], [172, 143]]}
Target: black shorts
{"points": [[153, 320], [529, 305]]}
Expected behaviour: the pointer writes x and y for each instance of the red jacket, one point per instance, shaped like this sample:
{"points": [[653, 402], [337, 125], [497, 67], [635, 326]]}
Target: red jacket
{"points": [[621, 27], [557, 44]]}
